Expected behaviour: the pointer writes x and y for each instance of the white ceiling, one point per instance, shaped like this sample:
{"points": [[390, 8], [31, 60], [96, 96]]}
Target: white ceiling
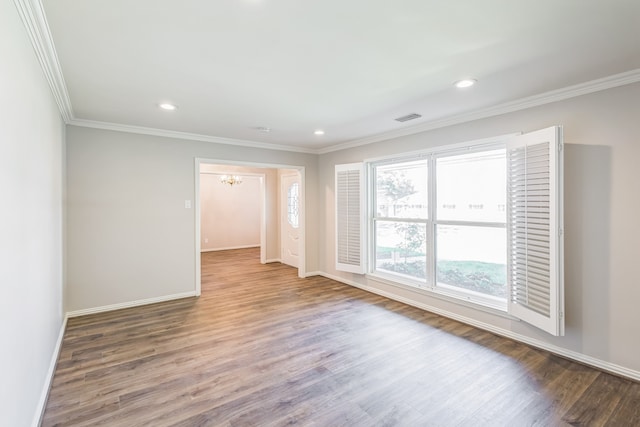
{"points": [[348, 67]]}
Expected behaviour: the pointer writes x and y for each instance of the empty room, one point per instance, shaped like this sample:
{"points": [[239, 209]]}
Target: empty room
{"points": [[270, 213]]}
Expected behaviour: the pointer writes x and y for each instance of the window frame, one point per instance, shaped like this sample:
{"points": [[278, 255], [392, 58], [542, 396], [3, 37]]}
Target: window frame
{"points": [[468, 295], [372, 219], [535, 227], [532, 222], [430, 283]]}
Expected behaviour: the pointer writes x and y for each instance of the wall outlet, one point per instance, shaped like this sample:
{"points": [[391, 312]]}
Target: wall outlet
{"points": [[187, 204], [206, 240]]}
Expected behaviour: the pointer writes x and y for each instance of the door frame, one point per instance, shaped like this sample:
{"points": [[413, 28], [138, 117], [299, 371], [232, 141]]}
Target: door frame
{"points": [[196, 176]]}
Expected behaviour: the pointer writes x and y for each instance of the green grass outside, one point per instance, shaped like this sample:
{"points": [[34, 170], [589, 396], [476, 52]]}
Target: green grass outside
{"points": [[497, 273], [484, 277]]}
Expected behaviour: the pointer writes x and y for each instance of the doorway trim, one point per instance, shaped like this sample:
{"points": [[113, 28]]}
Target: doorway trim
{"points": [[301, 170]]}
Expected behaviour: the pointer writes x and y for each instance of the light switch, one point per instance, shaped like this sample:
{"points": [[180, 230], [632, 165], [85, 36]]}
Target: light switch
{"points": [[187, 204]]}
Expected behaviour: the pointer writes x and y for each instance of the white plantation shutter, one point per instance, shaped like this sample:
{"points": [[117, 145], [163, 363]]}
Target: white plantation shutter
{"points": [[350, 220], [534, 226]]}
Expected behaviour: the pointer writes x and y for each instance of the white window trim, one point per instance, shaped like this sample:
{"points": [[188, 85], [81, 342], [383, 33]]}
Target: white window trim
{"points": [[441, 288], [462, 147], [554, 325], [393, 281], [430, 284]]}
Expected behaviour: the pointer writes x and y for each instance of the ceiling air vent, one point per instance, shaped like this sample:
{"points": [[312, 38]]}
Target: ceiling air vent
{"points": [[408, 117]]}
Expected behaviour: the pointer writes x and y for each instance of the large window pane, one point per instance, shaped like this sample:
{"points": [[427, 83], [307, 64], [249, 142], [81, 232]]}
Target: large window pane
{"points": [[401, 190], [472, 258], [472, 187], [401, 248]]}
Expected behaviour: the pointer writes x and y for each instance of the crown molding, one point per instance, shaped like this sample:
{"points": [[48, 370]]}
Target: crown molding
{"points": [[188, 136], [597, 85], [33, 17]]}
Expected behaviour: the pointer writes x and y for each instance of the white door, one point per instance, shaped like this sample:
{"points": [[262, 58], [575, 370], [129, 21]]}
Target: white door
{"points": [[290, 223]]}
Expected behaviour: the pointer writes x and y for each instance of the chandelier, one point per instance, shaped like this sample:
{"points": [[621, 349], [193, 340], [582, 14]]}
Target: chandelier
{"points": [[231, 179]]}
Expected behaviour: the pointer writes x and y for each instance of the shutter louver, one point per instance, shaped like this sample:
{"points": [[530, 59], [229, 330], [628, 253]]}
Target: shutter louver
{"points": [[349, 218], [534, 217]]}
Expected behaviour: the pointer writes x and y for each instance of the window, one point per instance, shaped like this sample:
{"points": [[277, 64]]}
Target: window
{"points": [[401, 217], [463, 235], [482, 223], [470, 225], [293, 205]]}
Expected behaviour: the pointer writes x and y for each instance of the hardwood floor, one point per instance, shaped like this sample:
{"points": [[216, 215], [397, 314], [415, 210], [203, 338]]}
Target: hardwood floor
{"points": [[262, 347]]}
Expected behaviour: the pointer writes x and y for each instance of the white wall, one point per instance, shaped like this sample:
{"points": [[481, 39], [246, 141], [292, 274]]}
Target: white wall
{"points": [[229, 215], [130, 237], [272, 229], [31, 224], [602, 207]]}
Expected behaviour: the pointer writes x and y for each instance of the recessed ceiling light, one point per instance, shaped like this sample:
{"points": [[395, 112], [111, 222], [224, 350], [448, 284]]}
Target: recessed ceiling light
{"points": [[319, 132], [167, 106], [465, 83]]}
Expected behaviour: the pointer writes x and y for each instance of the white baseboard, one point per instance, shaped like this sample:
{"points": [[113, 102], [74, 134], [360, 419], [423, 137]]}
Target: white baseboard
{"points": [[267, 261], [44, 395], [46, 387], [569, 354], [230, 248], [130, 304], [315, 273]]}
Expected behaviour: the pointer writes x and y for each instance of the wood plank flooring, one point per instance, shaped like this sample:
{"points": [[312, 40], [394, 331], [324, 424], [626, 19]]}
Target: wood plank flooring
{"points": [[262, 347]]}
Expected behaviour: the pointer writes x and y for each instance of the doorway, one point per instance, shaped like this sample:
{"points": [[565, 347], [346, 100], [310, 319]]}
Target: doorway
{"points": [[231, 209], [272, 213]]}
